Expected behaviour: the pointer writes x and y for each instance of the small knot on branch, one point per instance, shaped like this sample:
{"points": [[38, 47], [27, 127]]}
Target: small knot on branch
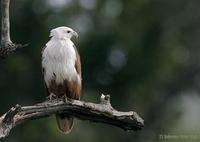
{"points": [[138, 119], [105, 99]]}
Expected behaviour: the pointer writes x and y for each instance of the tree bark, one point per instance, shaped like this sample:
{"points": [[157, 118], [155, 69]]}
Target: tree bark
{"points": [[5, 23], [7, 46], [102, 112]]}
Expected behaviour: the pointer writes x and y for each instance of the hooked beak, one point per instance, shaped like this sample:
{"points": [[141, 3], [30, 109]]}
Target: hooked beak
{"points": [[75, 34]]}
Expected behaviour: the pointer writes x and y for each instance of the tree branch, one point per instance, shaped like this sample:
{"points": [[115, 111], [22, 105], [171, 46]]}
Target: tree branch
{"points": [[7, 46], [102, 112]]}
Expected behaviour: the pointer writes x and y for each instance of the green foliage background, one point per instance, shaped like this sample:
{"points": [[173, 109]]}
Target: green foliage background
{"points": [[144, 53]]}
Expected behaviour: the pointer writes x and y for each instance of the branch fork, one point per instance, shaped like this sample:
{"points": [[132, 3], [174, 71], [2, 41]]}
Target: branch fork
{"points": [[7, 46]]}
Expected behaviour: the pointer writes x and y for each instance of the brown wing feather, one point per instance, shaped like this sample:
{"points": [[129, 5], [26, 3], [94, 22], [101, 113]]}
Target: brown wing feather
{"points": [[78, 62], [73, 88]]}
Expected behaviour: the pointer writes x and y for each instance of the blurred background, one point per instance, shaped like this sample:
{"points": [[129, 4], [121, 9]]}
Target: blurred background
{"points": [[144, 53]]}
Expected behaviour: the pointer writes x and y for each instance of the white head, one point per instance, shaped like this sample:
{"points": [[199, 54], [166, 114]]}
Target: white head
{"points": [[63, 33]]}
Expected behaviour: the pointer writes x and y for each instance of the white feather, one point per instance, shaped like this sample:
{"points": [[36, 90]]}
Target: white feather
{"points": [[59, 58]]}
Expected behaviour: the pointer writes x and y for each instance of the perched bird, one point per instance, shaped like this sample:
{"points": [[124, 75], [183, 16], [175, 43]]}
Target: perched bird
{"points": [[62, 70]]}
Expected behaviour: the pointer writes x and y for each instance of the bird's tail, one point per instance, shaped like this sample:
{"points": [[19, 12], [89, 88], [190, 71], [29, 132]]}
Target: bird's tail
{"points": [[64, 122]]}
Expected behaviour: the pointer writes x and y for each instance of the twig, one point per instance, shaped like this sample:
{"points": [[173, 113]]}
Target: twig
{"points": [[7, 46], [102, 112]]}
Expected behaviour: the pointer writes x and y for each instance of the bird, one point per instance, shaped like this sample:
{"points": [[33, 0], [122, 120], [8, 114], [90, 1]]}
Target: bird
{"points": [[61, 67]]}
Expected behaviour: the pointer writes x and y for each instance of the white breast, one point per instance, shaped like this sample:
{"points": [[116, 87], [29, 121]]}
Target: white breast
{"points": [[58, 60]]}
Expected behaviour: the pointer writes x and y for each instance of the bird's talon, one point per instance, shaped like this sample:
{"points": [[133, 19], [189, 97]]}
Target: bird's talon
{"points": [[51, 97], [64, 98]]}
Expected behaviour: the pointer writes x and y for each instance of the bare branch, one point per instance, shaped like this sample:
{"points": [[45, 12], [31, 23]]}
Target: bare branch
{"points": [[5, 23], [7, 46], [102, 112]]}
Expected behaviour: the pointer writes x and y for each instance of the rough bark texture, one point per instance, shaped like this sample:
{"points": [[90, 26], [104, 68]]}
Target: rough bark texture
{"points": [[7, 47], [102, 112]]}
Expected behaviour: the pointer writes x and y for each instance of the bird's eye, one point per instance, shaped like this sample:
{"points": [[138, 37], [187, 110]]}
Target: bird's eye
{"points": [[68, 31]]}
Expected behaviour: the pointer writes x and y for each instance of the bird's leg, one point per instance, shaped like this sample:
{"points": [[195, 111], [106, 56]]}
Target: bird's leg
{"points": [[52, 97], [66, 99]]}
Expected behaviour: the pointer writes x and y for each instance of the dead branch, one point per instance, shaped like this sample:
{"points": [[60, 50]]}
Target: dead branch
{"points": [[7, 46], [101, 112]]}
